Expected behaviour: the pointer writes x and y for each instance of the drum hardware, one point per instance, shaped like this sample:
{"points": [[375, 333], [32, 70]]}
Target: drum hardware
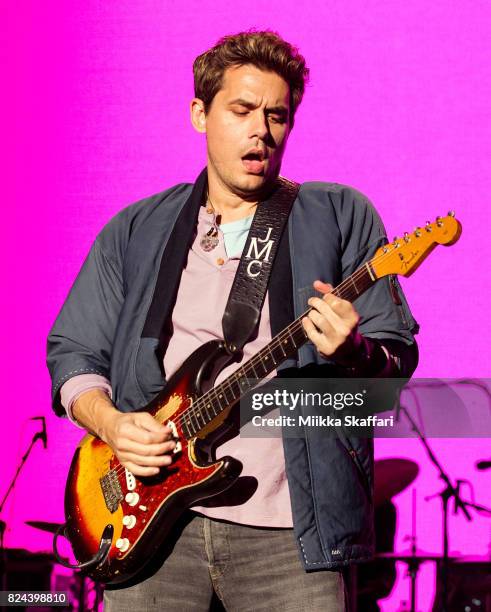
{"points": [[450, 492]]}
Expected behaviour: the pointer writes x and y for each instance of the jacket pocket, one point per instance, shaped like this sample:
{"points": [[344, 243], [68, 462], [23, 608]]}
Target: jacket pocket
{"points": [[364, 474]]}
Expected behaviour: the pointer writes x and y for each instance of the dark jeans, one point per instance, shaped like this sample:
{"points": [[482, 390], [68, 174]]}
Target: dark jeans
{"points": [[249, 568]]}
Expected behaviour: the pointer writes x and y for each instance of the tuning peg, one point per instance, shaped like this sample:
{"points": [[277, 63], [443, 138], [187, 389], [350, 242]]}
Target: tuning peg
{"points": [[428, 226], [385, 249], [417, 232], [439, 221], [451, 213], [406, 237]]}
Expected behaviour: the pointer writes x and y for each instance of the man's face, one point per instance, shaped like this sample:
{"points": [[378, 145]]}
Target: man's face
{"points": [[247, 127]]}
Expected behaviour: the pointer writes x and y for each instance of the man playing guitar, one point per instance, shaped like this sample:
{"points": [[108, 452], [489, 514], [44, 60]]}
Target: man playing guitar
{"points": [[297, 508]]}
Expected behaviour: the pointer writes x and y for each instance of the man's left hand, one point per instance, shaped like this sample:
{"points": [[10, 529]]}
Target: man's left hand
{"points": [[332, 326]]}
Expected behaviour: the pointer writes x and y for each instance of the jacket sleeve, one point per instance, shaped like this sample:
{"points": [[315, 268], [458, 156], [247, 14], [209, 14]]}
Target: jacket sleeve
{"points": [[81, 339]]}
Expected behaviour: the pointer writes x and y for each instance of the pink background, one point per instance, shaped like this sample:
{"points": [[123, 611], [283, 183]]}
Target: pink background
{"points": [[96, 116]]}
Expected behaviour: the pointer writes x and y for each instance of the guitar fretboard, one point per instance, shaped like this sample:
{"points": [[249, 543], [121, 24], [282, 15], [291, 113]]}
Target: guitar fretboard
{"points": [[251, 373]]}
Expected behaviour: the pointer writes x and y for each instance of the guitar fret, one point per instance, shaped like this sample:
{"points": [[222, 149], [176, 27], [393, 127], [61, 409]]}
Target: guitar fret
{"points": [[241, 380], [185, 426], [199, 416], [300, 334], [277, 354], [354, 285], [221, 393], [342, 290], [292, 339], [192, 426], [210, 406], [250, 368], [267, 349], [235, 391], [259, 362], [206, 408], [226, 390], [219, 397]]}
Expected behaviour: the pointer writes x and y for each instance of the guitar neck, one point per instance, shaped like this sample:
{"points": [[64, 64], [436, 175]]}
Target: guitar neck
{"points": [[255, 369]]}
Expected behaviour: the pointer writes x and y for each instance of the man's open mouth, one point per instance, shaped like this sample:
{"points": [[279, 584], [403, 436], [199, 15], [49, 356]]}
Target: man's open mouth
{"points": [[254, 162]]}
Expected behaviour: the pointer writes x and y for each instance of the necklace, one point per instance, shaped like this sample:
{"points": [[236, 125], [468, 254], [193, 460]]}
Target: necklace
{"points": [[209, 241]]}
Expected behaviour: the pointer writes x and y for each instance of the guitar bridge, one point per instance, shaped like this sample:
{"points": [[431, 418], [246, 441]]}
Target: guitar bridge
{"points": [[111, 490]]}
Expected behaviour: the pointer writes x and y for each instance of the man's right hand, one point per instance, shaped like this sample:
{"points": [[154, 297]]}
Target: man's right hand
{"points": [[140, 442]]}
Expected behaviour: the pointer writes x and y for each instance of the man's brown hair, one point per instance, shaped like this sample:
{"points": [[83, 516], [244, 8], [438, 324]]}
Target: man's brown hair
{"points": [[266, 50]]}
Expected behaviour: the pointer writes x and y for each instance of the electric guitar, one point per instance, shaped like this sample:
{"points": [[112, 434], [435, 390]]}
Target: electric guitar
{"points": [[116, 521]]}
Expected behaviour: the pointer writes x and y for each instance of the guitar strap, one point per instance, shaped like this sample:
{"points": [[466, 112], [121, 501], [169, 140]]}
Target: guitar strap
{"points": [[252, 277]]}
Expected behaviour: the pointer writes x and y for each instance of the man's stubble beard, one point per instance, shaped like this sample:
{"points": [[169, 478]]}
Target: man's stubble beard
{"points": [[240, 187]]}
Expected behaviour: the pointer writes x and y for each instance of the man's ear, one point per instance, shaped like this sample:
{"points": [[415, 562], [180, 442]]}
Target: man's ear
{"points": [[198, 116]]}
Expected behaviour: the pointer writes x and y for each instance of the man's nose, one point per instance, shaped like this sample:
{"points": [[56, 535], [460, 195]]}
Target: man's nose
{"points": [[259, 126]]}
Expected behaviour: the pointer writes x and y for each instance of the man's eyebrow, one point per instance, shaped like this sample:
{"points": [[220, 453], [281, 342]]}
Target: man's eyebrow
{"points": [[279, 109]]}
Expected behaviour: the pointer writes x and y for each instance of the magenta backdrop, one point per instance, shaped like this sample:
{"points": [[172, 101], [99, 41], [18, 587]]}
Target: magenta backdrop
{"points": [[96, 116]]}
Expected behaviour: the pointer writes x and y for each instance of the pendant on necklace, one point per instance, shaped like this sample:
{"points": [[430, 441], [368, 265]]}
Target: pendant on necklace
{"points": [[209, 241]]}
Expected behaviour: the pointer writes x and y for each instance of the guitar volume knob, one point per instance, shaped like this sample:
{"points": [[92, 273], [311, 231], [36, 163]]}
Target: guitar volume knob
{"points": [[122, 544], [129, 521], [132, 498]]}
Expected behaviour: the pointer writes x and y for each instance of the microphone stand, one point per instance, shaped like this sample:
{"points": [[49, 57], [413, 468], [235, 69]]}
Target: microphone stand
{"points": [[3, 526], [448, 493]]}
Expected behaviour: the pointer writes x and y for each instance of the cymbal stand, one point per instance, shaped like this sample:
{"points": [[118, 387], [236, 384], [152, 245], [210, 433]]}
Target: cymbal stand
{"points": [[3, 527], [413, 565]]}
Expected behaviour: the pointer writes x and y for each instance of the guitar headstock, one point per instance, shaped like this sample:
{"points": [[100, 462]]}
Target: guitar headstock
{"points": [[404, 255]]}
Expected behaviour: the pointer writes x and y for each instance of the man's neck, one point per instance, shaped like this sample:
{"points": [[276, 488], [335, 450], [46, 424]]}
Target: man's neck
{"points": [[228, 205]]}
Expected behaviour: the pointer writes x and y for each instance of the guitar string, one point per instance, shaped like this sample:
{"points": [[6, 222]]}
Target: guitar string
{"points": [[276, 342]]}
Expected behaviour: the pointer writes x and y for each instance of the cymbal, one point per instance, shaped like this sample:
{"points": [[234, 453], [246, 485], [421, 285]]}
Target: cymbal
{"points": [[474, 559], [408, 556], [392, 476], [44, 526]]}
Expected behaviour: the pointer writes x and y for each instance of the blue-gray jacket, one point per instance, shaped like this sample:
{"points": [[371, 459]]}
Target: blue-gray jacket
{"points": [[109, 325]]}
